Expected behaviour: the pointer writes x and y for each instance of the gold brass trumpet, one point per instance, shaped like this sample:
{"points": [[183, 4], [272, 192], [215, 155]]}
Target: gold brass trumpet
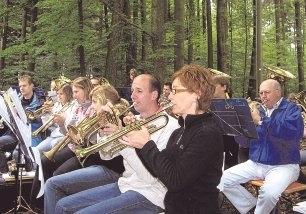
{"points": [[82, 132], [33, 115], [110, 145], [49, 122], [59, 146]]}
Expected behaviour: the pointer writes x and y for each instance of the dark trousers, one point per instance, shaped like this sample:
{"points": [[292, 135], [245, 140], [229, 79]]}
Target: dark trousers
{"points": [[231, 151]]}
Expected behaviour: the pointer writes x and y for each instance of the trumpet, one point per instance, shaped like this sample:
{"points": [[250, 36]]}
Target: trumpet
{"points": [[88, 126], [49, 122], [82, 132], [110, 144], [33, 115], [59, 146]]}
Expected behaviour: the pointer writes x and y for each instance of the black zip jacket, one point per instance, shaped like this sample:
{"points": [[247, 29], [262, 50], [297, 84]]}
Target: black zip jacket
{"points": [[190, 166]]}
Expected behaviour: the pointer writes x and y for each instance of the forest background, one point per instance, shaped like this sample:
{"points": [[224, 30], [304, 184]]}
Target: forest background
{"points": [[109, 37]]}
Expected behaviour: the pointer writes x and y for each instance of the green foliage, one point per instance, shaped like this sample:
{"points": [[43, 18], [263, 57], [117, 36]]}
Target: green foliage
{"points": [[54, 44]]}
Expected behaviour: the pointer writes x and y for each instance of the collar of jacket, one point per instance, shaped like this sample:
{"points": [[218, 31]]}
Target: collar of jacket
{"points": [[192, 119]]}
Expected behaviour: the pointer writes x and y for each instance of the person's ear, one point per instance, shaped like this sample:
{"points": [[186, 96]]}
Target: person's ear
{"points": [[155, 94]]}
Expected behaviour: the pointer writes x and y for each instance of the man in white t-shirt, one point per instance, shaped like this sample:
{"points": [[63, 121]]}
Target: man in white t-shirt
{"points": [[97, 189]]}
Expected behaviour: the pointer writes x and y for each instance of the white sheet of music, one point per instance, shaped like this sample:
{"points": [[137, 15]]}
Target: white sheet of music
{"points": [[20, 120], [40, 171], [18, 106], [3, 112]]}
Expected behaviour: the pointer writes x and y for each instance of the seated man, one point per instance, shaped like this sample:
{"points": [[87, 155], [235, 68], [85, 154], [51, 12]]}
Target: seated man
{"points": [[274, 156], [230, 146]]}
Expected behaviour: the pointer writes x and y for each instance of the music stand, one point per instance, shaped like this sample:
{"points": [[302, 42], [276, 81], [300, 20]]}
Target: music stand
{"points": [[16, 122], [234, 117]]}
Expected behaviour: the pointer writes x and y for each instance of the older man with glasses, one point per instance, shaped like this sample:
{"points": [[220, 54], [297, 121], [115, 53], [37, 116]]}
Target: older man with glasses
{"points": [[274, 157]]}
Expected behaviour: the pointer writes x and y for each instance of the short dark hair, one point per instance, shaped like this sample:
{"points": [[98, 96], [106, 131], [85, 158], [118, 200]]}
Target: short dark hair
{"points": [[168, 84], [155, 84]]}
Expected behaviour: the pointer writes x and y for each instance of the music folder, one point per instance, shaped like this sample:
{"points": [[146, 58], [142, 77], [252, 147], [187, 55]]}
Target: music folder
{"points": [[234, 117]]}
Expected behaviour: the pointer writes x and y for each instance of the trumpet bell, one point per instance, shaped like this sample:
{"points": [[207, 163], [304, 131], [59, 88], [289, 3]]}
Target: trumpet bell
{"points": [[276, 71], [220, 73]]}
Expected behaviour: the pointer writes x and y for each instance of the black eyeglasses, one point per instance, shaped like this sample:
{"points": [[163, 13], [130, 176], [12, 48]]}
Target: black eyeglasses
{"points": [[178, 90]]}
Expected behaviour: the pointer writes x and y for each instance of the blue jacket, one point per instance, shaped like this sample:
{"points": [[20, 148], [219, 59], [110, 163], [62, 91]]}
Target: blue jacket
{"points": [[35, 104], [278, 136]]}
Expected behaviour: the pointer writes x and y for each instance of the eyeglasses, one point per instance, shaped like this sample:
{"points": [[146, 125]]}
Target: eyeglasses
{"points": [[178, 90]]}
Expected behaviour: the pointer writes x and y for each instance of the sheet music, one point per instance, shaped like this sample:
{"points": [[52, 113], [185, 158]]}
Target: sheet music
{"points": [[20, 127], [4, 113], [40, 171], [18, 106], [234, 117]]}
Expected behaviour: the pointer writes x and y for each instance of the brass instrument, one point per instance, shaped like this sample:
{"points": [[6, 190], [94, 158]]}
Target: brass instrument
{"points": [[59, 146], [220, 73], [278, 74], [49, 122], [33, 115], [110, 145], [81, 133]]}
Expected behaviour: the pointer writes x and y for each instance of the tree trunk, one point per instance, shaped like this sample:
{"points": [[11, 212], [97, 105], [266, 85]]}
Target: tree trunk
{"points": [[4, 35], [278, 33], [222, 36], [210, 53], [129, 40], [299, 43], [158, 31], [190, 27], [80, 49], [246, 30], [252, 80], [33, 14], [114, 54], [204, 18], [106, 21], [24, 28], [143, 14], [179, 34], [258, 45]]}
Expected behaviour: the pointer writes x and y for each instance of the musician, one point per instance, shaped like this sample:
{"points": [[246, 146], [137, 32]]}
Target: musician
{"points": [[30, 102], [81, 88], [274, 156], [94, 81], [65, 97], [100, 96], [167, 89], [191, 165], [97, 189]]}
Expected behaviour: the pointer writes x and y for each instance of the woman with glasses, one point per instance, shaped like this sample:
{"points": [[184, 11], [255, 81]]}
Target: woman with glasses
{"points": [[191, 165]]}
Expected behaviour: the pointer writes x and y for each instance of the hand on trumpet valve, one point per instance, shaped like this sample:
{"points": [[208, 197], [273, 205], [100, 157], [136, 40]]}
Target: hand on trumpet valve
{"points": [[136, 139], [106, 108], [108, 129], [129, 118], [59, 119], [254, 106]]}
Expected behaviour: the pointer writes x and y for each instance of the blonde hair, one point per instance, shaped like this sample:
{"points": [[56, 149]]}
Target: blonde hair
{"points": [[83, 83]]}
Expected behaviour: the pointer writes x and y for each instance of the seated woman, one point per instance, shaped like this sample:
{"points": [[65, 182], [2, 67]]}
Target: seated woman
{"points": [[191, 165], [64, 94]]}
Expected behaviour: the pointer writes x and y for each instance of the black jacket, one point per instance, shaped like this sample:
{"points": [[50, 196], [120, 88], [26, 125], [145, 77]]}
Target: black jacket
{"points": [[190, 166]]}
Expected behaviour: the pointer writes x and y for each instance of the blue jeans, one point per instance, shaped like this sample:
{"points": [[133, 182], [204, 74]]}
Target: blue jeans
{"points": [[73, 182], [106, 199]]}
